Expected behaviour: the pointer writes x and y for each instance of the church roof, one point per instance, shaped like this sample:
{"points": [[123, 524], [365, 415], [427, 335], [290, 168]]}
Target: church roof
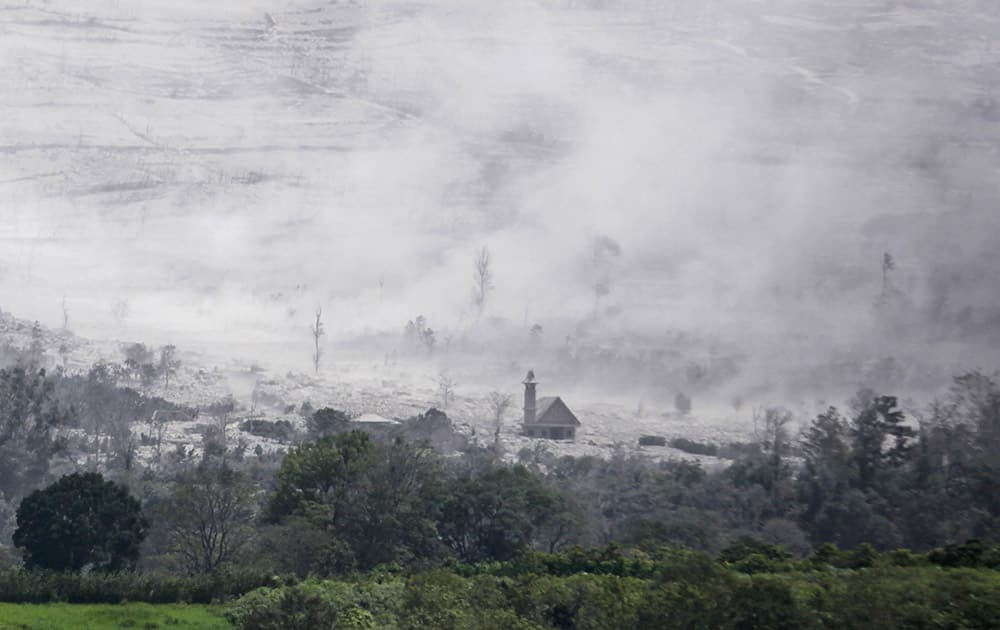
{"points": [[543, 406]]}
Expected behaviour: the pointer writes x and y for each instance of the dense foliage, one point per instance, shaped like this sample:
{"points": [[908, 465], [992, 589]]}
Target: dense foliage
{"points": [[80, 521], [412, 525], [29, 416], [669, 588]]}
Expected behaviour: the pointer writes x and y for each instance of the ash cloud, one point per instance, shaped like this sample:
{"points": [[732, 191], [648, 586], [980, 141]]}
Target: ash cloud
{"points": [[752, 163]]}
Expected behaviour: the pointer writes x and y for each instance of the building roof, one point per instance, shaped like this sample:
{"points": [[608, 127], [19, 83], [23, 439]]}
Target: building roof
{"points": [[546, 407]]}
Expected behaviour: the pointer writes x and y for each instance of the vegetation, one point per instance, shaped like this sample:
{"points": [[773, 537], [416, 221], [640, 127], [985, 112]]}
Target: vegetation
{"points": [[80, 521], [29, 416], [756, 586], [869, 518], [101, 616], [694, 447]]}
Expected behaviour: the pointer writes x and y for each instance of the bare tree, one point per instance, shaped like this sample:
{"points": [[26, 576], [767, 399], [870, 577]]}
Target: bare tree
{"points": [[168, 363], [120, 310], [888, 264], [483, 279], [317, 332], [64, 354], [208, 519], [222, 412], [446, 387], [605, 250], [770, 429], [499, 404], [65, 312], [158, 426]]}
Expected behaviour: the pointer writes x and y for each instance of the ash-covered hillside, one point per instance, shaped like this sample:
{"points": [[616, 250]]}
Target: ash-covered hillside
{"points": [[680, 195]]}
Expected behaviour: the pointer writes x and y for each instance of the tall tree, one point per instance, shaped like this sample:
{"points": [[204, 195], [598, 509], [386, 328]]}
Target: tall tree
{"points": [[878, 420], [888, 264], [169, 363], [825, 474], [603, 253], [317, 332], [376, 501], [482, 279], [495, 515], [29, 418], [208, 518], [499, 404], [446, 387]]}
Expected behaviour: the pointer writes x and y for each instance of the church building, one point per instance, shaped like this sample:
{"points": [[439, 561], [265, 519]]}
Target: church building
{"points": [[547, 417]]}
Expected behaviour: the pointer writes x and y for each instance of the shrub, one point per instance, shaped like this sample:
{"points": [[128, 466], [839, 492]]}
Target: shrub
{"points": [[695, 448], [318, 604], [279, 430], [971, 553], [39, 587]]}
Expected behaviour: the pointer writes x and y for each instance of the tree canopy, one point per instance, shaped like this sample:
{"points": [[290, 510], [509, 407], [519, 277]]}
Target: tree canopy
{"points": [[81, 520]]}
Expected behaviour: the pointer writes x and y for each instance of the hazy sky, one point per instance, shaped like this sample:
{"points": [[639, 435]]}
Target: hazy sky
{"points": [[225, 167]]}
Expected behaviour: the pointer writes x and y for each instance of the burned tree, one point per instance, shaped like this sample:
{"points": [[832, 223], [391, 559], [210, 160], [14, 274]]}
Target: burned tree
{"points": [[888, 264], [482, 278], [317, 332], [499, 404], [770, 430], [604, 251], [120, 310], [207, 522], [446, 387], [65, 313], [168, 363]]}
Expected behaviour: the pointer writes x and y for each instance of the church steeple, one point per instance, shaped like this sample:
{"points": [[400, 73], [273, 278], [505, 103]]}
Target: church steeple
{"points": [[529, 397]]}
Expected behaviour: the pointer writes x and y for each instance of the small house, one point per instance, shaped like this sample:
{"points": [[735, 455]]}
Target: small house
{"points": [[547, 417]]}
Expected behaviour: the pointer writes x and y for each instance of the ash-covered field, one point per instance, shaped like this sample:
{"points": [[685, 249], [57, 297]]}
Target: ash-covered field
{"points": [[683, 197]]}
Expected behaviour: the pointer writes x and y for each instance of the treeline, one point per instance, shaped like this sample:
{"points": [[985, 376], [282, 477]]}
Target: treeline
{"points": [[385, 504]]}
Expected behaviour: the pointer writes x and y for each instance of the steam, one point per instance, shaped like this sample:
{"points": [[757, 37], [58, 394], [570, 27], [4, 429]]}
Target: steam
{"points": [[752, 162]]}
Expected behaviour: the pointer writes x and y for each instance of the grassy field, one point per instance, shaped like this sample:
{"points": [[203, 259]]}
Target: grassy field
{"points": [[97, 616]]}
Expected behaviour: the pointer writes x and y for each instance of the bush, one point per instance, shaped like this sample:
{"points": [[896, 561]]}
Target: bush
{"points": [[652, 440], [40, 587], [320, 605], [279, 430], [695, 448], [973, 553]]}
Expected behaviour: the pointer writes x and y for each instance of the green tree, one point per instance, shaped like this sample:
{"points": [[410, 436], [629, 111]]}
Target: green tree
{"points": [[29, 417], [825, 473], [878, 420], [208, 518], [379, 501], [322, 473], [80, 521], [497, 514]]}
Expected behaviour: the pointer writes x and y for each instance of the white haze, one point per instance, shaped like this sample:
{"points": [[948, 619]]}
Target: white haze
{"points": [[753, 160]]}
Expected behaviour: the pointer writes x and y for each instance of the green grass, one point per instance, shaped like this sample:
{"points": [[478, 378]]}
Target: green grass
{"points": [[98, 616]]}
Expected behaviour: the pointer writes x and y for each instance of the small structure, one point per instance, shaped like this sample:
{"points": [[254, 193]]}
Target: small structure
{"points": [[547, 417]]}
